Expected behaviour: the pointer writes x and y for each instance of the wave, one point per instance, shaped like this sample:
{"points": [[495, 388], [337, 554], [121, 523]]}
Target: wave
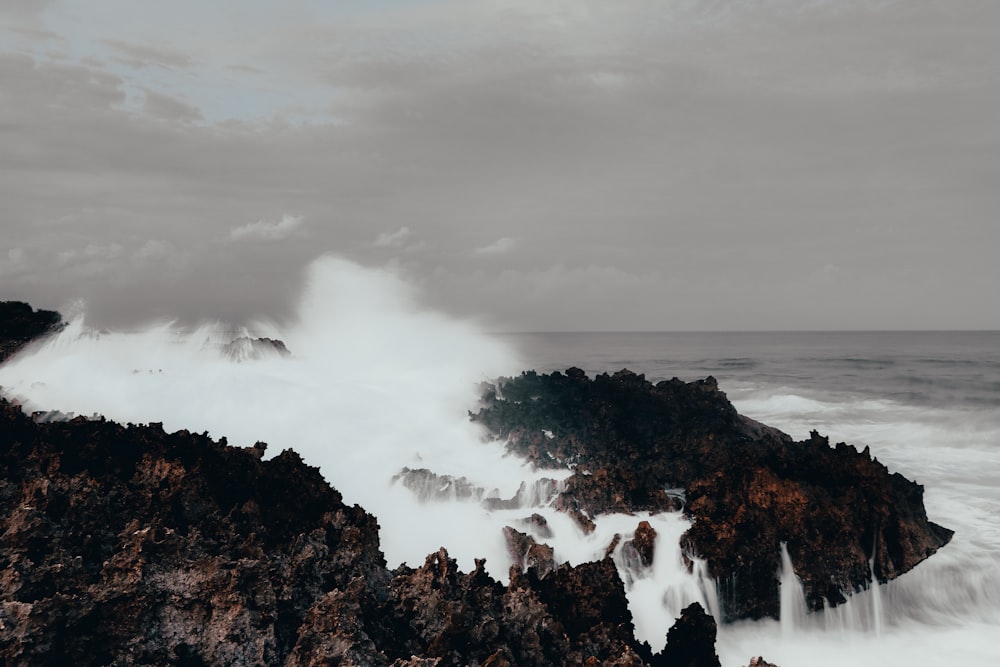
{"points": [[374, 384]]}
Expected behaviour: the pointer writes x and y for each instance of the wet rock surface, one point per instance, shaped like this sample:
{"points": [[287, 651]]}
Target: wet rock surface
{"points": [[635, 446], [644, 542], [127, 545], [760, 662]]}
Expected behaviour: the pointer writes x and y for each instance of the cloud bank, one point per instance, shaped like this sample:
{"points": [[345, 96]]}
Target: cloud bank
{"points": [[721, 151]]}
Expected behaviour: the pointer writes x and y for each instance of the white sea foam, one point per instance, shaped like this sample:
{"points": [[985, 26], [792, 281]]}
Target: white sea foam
{"points": [[948, 608], [375, 383]]}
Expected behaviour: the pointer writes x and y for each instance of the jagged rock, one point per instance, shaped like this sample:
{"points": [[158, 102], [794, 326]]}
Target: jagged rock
{"points": [[333, 632], [127, 545], [644, 542], [690, 641], [245, 348], [571, 615], [429, 486], [747, 486], [610, 549], [20, 324], [537, 524], [760, 662], [537, 493], [127, 541], [526, 553]]}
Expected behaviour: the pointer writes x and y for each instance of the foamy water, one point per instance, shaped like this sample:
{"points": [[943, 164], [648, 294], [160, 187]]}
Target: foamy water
{"points": [[375, 384]]}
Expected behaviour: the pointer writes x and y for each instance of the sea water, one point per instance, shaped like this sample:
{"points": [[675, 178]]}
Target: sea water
{"points": [[376, 383], [928, 406]]}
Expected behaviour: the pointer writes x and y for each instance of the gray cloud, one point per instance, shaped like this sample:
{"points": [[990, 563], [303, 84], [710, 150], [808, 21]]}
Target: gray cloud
{"points": [[392, 239], [149, 55], [35, 34], [268, 231], [696, 165], [499, 247], [169, 108], [24, 8]]}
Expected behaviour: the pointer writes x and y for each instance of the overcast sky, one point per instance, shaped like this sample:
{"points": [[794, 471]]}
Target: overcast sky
{"points": [[533, 164]]}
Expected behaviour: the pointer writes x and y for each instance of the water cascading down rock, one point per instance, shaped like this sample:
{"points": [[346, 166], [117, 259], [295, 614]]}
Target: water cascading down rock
{"points": [[749, 488]]}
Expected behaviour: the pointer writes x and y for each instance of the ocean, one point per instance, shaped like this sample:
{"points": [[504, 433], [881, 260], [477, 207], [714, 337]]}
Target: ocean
{"points": [[375, 382], [927, 403]]}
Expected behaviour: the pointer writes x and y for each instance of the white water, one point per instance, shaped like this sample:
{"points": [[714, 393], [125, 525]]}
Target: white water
{"points": [[375, 384], [947, 610], [793, 599]]}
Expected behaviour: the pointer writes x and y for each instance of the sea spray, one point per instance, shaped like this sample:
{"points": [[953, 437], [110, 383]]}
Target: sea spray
{"points": [[373, 384]]}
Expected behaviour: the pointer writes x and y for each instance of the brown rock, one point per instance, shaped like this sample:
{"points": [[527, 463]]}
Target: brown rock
{"points": [[528, 554], [760, 662], [634, 447], [644, 542]]}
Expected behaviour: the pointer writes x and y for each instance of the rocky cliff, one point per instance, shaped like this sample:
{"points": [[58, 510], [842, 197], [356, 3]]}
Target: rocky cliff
{"points": [[748, 487]]}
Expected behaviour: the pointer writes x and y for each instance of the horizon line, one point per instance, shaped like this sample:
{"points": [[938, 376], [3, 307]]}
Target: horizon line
{"points": [[731, 331]]}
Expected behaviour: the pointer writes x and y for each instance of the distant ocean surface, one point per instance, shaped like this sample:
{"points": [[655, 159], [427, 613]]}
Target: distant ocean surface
{"points": [[927, 368], [928, 405]]}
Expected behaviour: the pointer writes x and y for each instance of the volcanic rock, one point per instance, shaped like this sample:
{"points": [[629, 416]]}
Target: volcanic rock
{"points": [[526, 553], [429, 486], [690, 641], [644, 542], [245, 348], [537, 524], [748, 487], [20, 324], [128, 545]]}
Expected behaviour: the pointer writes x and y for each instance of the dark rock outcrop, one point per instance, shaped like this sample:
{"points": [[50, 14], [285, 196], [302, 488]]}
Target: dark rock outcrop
{"points": [[644, 542], [245, 348], [690, 641], [127, 545], [429, 486], [760, 662], [526, 553], [639, 447], [20, 324]]}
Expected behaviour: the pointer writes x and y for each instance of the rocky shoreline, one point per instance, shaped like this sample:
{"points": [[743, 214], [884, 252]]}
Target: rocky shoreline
{"points": [[634, 446], [128, 545]]}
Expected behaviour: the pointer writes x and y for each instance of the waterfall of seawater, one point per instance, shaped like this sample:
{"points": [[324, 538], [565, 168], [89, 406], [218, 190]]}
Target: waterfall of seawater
{"points": [[793, 600], [862, 612], [659, 592]]}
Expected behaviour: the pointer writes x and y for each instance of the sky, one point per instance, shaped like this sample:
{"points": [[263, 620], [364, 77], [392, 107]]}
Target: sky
{"points": [[531, 165]]}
